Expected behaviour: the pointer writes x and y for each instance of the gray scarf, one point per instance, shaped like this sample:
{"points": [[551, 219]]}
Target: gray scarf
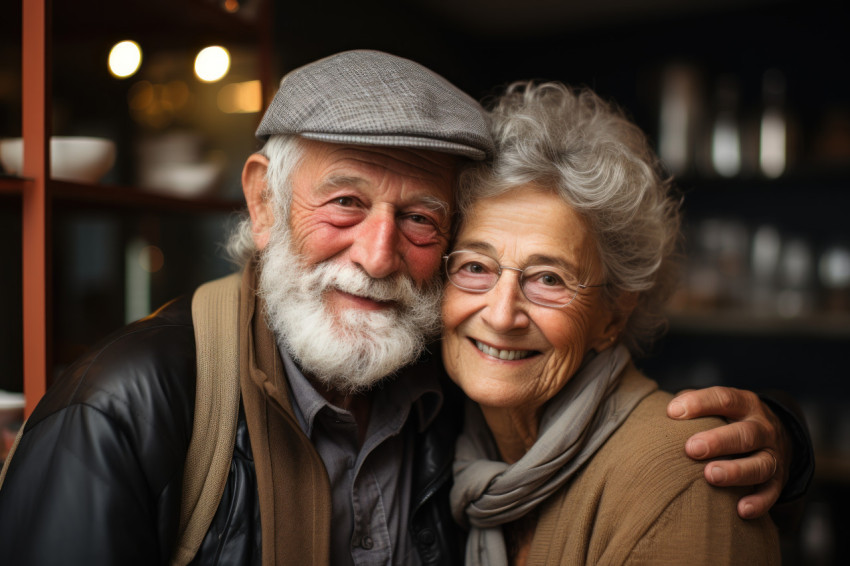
{"points": [[576, 422]]}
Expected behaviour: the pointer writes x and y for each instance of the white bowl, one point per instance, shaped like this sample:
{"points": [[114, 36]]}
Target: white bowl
{"points": [[182, 179], [78, 159], [11, 408]]}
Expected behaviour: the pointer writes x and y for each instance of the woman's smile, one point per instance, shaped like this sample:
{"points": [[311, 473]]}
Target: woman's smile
{"points": [[503, 354]]}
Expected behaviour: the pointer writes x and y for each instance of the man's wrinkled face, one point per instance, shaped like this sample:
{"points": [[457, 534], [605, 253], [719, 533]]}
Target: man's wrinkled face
{"points": [[352, 283]]}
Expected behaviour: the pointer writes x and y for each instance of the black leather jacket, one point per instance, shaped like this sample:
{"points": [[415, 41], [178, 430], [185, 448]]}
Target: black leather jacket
{"points": [[97, 476]]}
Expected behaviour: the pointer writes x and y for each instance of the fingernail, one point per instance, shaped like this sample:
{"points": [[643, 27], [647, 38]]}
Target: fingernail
{"points": [[698, 448], [718, 474], [676, 410], [747, 510]]}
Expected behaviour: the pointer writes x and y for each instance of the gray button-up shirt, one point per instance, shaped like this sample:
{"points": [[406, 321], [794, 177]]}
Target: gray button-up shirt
{"points": [[370, 485]]}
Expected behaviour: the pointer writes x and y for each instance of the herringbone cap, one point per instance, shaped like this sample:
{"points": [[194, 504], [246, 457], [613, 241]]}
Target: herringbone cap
{"points": [[374, 98]]}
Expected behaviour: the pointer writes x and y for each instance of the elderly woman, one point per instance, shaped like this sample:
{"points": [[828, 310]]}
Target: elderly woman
{"points": [[561, 266]]}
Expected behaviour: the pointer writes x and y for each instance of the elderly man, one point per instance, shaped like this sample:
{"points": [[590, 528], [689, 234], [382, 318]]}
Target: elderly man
{"points": [[342, 447]]}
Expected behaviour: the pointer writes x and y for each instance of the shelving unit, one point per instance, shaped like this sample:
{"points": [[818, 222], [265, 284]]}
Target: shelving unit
{"points": [[168, 25]]}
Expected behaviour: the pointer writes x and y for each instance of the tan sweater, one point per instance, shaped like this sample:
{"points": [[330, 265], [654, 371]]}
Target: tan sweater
{"points": [[641, 500]]}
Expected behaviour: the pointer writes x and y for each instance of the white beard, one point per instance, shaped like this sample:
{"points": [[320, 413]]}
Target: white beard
{"points": [[353, 350]]}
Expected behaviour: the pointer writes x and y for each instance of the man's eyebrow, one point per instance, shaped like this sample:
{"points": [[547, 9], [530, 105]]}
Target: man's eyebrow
{"points": [[430, 202], [336, 181], [435, 204]]}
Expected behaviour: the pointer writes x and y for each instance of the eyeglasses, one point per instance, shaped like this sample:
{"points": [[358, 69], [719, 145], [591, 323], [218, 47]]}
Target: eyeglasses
{"points": [[543, 285]]}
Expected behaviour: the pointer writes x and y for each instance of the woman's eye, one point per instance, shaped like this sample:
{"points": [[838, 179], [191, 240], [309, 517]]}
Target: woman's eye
{"points": [[550, 280], [474, 268]]}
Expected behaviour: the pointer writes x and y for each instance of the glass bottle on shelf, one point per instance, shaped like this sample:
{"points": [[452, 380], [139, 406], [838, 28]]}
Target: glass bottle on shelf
{"points": [[725, 130], [773, 129], [679, 117]]}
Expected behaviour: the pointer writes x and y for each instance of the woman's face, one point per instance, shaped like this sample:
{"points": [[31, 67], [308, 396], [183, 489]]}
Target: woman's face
{"points": [[545, 345]]}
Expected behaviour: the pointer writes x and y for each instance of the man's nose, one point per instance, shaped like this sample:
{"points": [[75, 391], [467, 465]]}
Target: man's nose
{"points": [[376, 247]]}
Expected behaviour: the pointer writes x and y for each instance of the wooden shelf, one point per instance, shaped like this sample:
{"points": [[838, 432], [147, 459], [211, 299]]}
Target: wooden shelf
{"points": [[742, 323], [114, 197], [118, 197], [13, 185], [826, 178]]}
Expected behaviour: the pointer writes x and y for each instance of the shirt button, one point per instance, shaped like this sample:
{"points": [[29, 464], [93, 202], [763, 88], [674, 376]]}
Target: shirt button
{"points": [[366, 543]]}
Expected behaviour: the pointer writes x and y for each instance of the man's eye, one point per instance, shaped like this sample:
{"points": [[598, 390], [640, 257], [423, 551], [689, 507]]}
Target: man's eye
{"points": [[417, 222], [344, 201], [419, 228], [418, 219]]}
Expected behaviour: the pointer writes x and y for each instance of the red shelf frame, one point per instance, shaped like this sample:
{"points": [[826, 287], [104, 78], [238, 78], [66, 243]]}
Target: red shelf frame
{"points": [[34, 199]]}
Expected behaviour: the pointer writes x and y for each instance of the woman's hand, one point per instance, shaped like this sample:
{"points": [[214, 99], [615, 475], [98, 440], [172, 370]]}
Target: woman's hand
{"points": [[755, 434]]}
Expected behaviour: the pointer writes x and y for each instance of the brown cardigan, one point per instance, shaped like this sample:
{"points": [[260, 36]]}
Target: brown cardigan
{"points": [[292, 484], [641, 500]]}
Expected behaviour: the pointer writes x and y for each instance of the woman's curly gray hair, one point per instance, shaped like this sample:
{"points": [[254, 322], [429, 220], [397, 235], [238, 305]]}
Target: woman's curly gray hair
{"points": [[585, 149], [284, 153]]}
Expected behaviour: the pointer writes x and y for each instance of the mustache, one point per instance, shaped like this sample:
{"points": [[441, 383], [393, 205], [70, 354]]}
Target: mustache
{"points": [[398, 289]]}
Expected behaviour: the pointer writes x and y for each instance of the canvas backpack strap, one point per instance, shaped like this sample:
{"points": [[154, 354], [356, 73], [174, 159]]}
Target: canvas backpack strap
{"points": [[215, 314], [11, 453]]}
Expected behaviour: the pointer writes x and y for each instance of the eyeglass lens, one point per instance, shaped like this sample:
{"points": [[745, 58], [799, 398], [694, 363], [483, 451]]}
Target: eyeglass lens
{"points": [[541, 284]]}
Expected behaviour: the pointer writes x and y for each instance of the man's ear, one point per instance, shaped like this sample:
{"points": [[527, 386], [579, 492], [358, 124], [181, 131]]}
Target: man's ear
{"points": [[259, 206], [617, 320]]}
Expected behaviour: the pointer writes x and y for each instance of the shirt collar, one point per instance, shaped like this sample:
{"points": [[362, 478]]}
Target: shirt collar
{"points": [[415, 387]]}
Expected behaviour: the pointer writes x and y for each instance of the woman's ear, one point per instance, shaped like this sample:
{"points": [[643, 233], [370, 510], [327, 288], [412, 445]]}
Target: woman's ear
{"points": [[617, 320], [259, 207]]}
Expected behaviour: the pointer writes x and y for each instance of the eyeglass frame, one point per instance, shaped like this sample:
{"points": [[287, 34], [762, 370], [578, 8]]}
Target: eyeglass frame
{"points": [[519, 280]]}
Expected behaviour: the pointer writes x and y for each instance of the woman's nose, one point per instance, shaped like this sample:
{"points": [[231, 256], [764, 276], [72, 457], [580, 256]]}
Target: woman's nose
{"points": [[505, 309]]}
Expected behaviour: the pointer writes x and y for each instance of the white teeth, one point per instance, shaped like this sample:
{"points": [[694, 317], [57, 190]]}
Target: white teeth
{"points": [[502, 354]]}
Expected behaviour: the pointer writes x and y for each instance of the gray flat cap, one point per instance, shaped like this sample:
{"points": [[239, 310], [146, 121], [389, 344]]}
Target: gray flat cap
{"points": [[373, 98]]}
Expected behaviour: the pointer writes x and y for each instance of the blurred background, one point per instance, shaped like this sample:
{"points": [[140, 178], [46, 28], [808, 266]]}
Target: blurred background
{"points": [[746, 101]]}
